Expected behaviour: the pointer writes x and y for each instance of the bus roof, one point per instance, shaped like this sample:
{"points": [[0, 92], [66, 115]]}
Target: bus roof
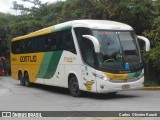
{"points": [[94, 24]]}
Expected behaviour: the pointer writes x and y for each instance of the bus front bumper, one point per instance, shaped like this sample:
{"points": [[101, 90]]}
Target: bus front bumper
{"points": [[106, 86]]}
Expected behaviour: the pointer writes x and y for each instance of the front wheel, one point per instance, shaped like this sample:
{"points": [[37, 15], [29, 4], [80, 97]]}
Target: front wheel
{"points": [[74, 87]]}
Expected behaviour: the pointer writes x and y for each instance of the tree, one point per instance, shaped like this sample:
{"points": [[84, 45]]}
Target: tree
{"points": [[20, 8], [36, 3], [154, 35], [5, 31], [143, 16]]}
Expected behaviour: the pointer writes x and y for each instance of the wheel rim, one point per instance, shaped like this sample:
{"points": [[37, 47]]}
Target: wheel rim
{"points": [[21, 79], [26, 80]]}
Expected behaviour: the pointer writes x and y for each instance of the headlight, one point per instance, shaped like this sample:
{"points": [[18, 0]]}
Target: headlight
{"points": [[101, 77]]}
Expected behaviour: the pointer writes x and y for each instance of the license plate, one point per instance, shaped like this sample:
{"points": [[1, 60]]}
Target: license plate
{"points": [[125, 87]]}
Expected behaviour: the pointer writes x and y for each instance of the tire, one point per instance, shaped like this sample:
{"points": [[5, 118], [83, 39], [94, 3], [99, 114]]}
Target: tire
{"points": [[112, 93], [26, 80], [20, 77], [74, 87]]}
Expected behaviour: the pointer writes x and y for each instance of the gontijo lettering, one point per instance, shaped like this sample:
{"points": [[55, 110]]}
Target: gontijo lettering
{"points": [[28, 58]]}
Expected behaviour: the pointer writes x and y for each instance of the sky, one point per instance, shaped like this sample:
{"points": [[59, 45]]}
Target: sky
{"points": [[6, 5]]}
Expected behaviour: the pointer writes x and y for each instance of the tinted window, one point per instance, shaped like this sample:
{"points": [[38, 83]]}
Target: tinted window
{"points": [[88, 52], [68, 40], [62, 40], [86, 46]]}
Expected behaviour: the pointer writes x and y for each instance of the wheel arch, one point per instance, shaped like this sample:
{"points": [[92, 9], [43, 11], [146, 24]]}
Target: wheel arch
{"points": [[25, 72]]}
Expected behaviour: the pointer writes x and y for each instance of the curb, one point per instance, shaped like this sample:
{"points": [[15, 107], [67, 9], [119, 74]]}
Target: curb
{"points": [[151, 88]]}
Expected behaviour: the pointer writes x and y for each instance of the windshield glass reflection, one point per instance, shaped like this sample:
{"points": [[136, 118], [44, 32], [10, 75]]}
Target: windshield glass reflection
{"points": [[118, 50]]}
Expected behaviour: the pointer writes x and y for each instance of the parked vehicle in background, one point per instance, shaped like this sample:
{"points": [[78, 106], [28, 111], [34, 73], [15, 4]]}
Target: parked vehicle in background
{"points": [[1, 68]]}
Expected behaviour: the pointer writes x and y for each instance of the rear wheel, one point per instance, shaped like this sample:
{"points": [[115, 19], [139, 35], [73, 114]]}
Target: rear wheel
{"points": [[74, 87], [20, 77], [26, 80]]}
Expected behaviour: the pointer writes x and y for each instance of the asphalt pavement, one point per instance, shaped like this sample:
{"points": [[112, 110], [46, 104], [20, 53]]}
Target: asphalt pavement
{"points": [[14, 97]]}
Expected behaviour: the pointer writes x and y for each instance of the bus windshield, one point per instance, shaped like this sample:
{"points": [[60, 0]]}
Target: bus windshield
{"points": [[118, 50]]}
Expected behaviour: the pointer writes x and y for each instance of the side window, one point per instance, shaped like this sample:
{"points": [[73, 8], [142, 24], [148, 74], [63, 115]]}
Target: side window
{"points": [[53, 45], [61, 37], [79, 32], [86, 46], [70, 46], [16, 47], [22, 45], [40, 43], [88, 52], [47, 43], [51, 42], [28, 47], [34, 45], [59, 40], [64, 41], [13, 47], [19, 47]]}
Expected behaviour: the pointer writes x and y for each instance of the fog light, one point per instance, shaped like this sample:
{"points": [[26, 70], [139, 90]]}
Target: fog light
{"points": [[102, 86]]}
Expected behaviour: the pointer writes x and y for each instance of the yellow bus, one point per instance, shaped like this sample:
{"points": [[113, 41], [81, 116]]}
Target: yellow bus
{"points": [[83, 55]]}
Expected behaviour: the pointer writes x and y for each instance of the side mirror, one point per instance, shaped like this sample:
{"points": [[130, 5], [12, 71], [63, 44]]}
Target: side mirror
{"points": [[94, 41], [147, 42]]}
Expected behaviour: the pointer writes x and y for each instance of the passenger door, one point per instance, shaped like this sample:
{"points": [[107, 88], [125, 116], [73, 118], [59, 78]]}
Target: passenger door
{"points": [[88, 69]]}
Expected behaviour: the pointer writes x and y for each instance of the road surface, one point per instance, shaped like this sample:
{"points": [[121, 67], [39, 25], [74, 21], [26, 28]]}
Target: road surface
{"points": [[14, 97]]}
